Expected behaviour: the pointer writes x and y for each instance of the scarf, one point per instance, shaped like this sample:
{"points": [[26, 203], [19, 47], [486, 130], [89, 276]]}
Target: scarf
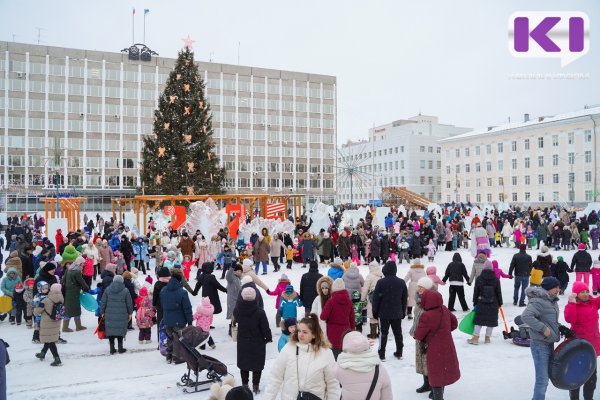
{"points": [[362, 362]]}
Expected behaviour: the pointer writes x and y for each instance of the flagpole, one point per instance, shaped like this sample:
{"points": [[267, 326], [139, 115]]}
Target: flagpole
{"points": [[144, 27], [133, 27]]}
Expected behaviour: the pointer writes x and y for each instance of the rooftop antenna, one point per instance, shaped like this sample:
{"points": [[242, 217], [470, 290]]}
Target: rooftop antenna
{"points": [[14, 37], [210, 57], [39, 34], [239, 44]]}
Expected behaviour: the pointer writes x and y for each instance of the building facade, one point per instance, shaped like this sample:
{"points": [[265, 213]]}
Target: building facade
{"points": [[401, 153], [548, 160], [78, 117]]}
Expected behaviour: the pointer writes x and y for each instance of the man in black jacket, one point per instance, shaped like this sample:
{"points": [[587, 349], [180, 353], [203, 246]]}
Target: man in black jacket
{"points": [[456, 271], [389, 307], [521, 265], [308, 286]]}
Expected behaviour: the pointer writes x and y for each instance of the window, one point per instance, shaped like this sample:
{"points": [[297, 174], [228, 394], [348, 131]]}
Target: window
{"points": [[571, 137], [457, 169], [571, 158], [488, 166], [540, 161], [500, 147], [554, 178], [467, 152], [422, 150], [587, 136], [589, 196], [478, 198], [477, 167], [447, 169], [526, 144], [488, 149], [467, 183], [541, 196], [527, 180], [555, 196], [588, 176], [447, 184], [571, 177], [513, 145], [588, 156], [527, 162], [540, 143], [514, 163], [500, 165], [489, 182], [513, 180], [527, 196], [514, 197], [478, 183], [554, 160], [555, 140], [467, 168], [541, 179], [489, 197]]}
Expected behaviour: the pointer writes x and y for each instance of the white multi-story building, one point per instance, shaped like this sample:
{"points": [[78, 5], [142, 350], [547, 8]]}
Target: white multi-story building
{"points": [[81, 115], [402, 153], [541, 161]]}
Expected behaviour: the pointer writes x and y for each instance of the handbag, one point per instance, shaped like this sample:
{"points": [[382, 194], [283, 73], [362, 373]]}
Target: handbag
{"points": [[101, 329], [303, 395]]}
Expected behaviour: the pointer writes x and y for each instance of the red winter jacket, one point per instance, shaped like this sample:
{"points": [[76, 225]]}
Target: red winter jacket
{"points": [[435, 328], [583, 317], [339, 315]]}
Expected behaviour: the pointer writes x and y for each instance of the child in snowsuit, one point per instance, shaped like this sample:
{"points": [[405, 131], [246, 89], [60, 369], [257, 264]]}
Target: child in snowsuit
{"points": [[560, 270], [279, 290], [19, 302], [595, 236], [556, 237], [403, 246], [203, 318], [144, 316], [228, 258], [7, 286], [50, 326], [187, 266], [289, 256], [431, 251], [360, 309], [498, 271], [42, 291], [466, 239], [566, 238], [289, 304], [288, 328], [28, 297], [498, 238]]}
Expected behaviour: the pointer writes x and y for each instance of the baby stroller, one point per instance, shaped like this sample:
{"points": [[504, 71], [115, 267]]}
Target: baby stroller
{"points": [[519, 337], [185, 342]]}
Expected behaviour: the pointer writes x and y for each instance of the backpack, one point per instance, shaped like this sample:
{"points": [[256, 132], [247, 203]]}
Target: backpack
{"points": [[58, 312]]}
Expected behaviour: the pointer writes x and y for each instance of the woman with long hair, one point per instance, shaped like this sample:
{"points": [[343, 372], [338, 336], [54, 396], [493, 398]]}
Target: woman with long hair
{"points": [[305, 365]]}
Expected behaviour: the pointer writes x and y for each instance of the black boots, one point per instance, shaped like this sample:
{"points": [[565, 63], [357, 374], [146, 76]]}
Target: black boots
{"points": [[121, 350], [111, 341], [374, 334], [382, 345], [437, 393], [426, 387]]}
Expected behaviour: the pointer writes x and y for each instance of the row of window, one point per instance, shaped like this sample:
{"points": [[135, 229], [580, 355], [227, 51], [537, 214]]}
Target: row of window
{"points": [[587, 137], [286, 137], [587, 178], [395, 180], [261, 119], [77, 107], [273, 151], [72, 180], [368, 196], [384, 152], [245, 166], [589, 196], [75, 89], [571, 157], [276, 183], [271, 104]]}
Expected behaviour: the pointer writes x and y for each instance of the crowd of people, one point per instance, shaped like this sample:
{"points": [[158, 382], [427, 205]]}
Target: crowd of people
{"points": [[323, 352]]}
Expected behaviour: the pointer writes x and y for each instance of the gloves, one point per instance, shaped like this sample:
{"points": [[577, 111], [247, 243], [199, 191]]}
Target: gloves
{"points": [[572, 298], [510, 277], [268, 291], [564, 331]]}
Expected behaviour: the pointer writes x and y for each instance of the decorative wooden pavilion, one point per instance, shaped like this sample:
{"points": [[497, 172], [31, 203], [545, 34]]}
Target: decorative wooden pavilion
{"points": [[395, 195], [70, 208], [141, 205]]}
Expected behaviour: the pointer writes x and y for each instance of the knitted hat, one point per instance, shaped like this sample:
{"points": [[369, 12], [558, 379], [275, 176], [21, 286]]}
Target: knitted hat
{"points": [[149, 279], [135, 271], [143, 291], [425, 283], [338, 285], [118, 278], [373, 264], [355, 343], [545, 251], [580, 287], [550, 282], [164, 272], [111, 267], [177, 276], [19, 287], [581, 246], [289, 321], [283, 277], [29, 282], [249, 294], [560, 258], [56, 288], [523, 246], [127, 275], [289, 289], [239, 393], [246, 279]]}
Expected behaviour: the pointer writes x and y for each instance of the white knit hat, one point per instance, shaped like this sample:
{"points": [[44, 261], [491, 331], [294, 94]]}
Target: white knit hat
{"points": [[249, 294], [246, 279], [247, 263], [338, 285], [425, 283]]}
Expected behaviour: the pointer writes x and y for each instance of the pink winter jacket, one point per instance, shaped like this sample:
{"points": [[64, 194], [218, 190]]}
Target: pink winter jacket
{"points": [[355, 385], [499, 273], [204, 315], [279, 290], [583, 317]]}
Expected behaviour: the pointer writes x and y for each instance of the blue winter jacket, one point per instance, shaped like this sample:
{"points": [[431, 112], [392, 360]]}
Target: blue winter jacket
{"points": [[8, 285], [114, 243], [140, 249], [177, 309]]}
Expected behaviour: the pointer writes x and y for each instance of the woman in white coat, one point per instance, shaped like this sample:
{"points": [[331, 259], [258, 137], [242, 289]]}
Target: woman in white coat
{"points": [[324, 293], [305, 364]]}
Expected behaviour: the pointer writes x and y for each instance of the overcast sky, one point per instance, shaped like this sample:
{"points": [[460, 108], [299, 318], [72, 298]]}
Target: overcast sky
{"points": [[392, 58]]}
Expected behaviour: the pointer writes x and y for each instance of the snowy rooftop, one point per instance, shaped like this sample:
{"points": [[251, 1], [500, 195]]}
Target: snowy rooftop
{"points": [[532, 122]]}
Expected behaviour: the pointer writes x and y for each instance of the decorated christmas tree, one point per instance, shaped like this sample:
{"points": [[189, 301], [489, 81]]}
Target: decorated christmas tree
{"points": [[178, 158]]}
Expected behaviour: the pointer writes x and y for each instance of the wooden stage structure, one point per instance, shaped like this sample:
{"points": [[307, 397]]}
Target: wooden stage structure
{"points": [[141, 205], [69, 208]]}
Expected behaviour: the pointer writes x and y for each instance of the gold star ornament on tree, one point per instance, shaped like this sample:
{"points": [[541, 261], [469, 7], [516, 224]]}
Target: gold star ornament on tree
{"points": [[190, 166], [161, 151], [178, 76], [172, 99], [167, 125], [190, 190], [186, 87], [158, 179], [187, 139], [187, 110], [188, 43]]}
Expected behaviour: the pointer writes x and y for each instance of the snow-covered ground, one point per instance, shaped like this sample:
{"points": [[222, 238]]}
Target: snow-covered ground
{"points": [[499, 370]]}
